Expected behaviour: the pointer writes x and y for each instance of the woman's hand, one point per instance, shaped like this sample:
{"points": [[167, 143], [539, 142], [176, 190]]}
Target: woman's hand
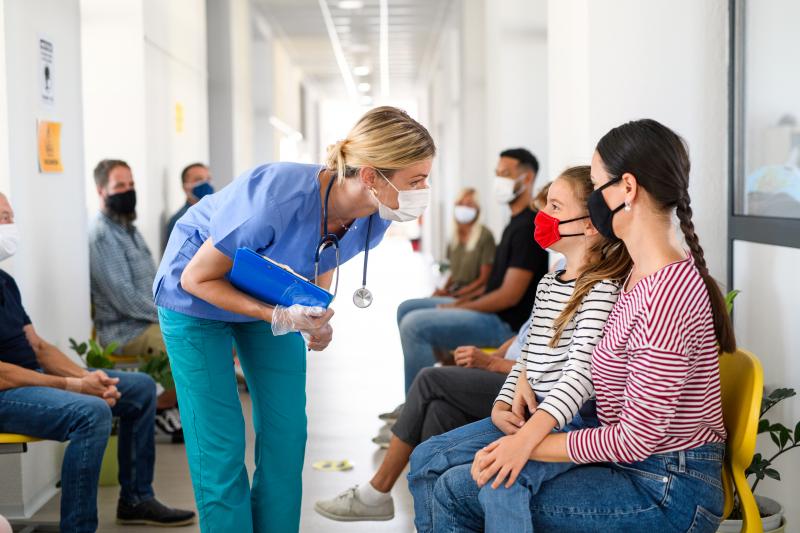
{"points": [[523, 397], [504, 458], [318, 340], [506, 421], [299, 318], [471, 357]]}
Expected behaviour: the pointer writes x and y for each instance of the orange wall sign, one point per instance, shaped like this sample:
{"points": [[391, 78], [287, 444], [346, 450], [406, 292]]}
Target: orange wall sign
{"points": [[50, 147]]}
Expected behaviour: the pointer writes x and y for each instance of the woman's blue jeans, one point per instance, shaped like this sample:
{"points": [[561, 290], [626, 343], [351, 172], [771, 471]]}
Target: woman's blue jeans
{"points": [[436, 456], [671, 492], [201, 355]]}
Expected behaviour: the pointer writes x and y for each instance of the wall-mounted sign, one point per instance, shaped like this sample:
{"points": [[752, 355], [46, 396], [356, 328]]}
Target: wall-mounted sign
{"points": [[50, 146], [178, 117], [46, 73]]}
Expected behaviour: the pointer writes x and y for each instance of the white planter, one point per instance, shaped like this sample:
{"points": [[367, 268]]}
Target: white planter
{"points": [[772, 523]]}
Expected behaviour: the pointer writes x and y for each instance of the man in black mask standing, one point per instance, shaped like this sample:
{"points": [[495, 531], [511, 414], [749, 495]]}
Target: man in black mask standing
{"points": [[122, 272]]}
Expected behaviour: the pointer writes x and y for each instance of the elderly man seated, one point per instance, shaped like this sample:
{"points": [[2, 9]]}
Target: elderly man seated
{"points": [[44, 394]]}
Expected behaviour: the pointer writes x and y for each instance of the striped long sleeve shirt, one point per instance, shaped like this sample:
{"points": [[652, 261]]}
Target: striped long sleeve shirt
{"points": [[562, 375], [655, 372]]}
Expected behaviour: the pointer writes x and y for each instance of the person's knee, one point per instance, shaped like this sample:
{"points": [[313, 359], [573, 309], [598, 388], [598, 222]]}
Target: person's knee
{"points": [[139, 384], [94, 416], [489, 496], [420, 456], [425, 382]]}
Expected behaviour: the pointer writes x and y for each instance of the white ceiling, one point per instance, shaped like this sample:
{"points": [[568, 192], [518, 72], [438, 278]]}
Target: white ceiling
{"points": [[413, 30]]}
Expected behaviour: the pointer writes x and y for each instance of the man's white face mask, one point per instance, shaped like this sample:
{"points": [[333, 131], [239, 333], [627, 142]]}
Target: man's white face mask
{"points": [[504, 189], [9, 240]]}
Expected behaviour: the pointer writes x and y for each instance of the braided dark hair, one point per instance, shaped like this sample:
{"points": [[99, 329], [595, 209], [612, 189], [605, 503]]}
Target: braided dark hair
{"points": [[659, 159]]}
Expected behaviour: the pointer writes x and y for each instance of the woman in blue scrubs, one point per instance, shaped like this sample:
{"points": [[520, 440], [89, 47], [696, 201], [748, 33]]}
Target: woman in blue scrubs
{"points": [[376, 175]]}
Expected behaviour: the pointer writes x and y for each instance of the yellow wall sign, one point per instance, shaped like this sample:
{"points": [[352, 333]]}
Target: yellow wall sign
{"points": [[50, 147], [178, 117]]}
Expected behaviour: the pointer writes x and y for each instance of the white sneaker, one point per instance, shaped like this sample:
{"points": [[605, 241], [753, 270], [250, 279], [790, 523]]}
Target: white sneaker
{"points": [[392, 415], [384, 436], [347, 507]]}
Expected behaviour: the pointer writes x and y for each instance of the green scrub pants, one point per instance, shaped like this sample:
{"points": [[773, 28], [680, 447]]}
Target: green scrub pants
{"points": [[213, 425]]}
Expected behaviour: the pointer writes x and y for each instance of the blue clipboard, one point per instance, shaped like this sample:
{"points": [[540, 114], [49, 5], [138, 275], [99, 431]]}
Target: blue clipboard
{"points": [[271, 283]]}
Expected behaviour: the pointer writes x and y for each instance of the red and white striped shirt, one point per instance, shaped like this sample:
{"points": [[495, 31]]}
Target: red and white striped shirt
{"points": [[655, 372]]}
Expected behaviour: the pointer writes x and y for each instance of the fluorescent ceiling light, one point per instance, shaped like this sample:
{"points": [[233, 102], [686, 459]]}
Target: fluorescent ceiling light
{"points": [[341, 60], [361, 70], [384, 48], [364, 87], [284, 128], [350, 4]]}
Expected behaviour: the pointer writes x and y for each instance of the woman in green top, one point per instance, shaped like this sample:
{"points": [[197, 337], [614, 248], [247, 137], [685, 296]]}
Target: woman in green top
{"points": [[470, 252]]}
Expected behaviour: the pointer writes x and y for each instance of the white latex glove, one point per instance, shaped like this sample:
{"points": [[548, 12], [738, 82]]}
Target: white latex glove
{"points": [[299, 318]]}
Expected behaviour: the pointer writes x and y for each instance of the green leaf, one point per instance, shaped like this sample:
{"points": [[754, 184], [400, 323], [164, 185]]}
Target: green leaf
{"points": [[785, 435], [729, 298], [763, 426], [774, 474], [94, 347], [797, 433], [775, 439], [781, 394]]}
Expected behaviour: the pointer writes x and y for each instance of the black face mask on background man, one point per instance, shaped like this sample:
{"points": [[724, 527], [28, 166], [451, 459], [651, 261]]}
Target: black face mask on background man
{"points": [[123, 203]]}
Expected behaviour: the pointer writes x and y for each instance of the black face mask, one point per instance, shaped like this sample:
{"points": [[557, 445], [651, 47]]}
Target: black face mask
{"points": [[602, 216], [123, 203]]}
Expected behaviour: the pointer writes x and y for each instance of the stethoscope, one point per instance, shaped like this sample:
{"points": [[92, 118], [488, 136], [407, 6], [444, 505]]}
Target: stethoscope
{"points": [[362, 297]]}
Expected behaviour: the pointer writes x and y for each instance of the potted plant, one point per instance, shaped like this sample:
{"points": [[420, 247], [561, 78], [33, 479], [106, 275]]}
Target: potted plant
{"points": [[157, 366], [784, 439]]}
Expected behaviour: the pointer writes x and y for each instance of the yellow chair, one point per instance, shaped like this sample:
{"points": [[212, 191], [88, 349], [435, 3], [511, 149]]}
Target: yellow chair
{"points": [[742, 381], [13, 443]]}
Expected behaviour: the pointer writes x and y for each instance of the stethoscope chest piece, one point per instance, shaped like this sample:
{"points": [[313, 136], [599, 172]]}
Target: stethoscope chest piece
{"points": [[362, 298]]}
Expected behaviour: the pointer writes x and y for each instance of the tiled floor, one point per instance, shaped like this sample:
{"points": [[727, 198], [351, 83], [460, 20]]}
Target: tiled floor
{"points": [[358, 376]]}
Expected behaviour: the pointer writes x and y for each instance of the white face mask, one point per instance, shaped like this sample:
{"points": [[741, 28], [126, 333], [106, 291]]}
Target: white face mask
{"points": [[9, 240], [504, 189], [412, 203], [465, 214]]}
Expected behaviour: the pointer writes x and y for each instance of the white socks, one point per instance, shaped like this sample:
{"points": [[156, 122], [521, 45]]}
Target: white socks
{"points": [[369, 495]]}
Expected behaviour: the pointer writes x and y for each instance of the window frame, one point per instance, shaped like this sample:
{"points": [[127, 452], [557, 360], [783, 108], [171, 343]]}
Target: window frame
{"points": [[775, 231]]}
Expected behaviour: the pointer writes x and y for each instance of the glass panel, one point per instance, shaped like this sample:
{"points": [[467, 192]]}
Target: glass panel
{"points": [[768, 166]]}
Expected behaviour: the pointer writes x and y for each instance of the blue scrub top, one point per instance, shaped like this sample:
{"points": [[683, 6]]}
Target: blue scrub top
{"points": [[274, 209]]}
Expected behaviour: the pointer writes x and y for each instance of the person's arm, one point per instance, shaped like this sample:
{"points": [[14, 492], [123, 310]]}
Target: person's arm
{"points": [[111, 275], [486, 251], [474, 357], [13, 376], [204, 277], [476, 286], [325, 280], [52, 360], [509, 294]]}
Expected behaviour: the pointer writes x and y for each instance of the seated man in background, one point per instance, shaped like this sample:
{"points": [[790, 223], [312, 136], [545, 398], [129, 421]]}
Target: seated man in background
{"points": [[440, 399], [122, 272], [196, 182], [428, 324], [44, 394]]}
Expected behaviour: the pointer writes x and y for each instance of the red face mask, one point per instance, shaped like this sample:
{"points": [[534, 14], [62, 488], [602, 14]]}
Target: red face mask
{"points": [[546, 232]]}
